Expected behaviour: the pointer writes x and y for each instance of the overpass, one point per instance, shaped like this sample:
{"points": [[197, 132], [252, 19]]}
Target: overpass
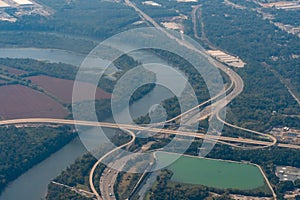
{"points": [[140, 128]]}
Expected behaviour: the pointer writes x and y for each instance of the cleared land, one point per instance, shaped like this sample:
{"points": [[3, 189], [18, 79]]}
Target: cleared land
{"points": [[18, 101], [63, 88], [12, 70], [3, 4], [214, 173]]}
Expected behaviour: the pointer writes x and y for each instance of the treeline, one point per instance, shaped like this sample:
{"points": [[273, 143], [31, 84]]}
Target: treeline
{"points": [[284, 186], [246, 34], [195, 79], [163, 189], [93, 19], [268, 159], [45, 40], [73, 26], [290, 68], [56, 192], [22, 148], [77, 174], [34, 67], [256, 41], [166, 189], [125, 184], [158, 13], [289, 17]]}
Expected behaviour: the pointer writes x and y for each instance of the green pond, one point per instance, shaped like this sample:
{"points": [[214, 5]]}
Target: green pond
{"points": [[213, 173]]}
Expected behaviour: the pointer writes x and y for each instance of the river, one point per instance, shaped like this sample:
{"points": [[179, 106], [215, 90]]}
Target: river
{"points": [[32, 185]]}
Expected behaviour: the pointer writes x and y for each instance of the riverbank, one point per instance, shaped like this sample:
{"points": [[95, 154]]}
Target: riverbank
{"points": [[40, 175], [23, 148]]}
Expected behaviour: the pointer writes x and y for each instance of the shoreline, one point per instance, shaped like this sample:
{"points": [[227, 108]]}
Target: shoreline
{"points": [[48, 155]]}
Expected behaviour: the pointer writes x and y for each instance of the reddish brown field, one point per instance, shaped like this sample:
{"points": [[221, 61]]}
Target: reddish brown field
{"points": [[63, 88], [12, 70], [18, 101]]}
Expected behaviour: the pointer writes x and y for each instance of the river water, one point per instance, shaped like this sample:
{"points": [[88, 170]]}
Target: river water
{"points": [[32, 185], [50, 55]]}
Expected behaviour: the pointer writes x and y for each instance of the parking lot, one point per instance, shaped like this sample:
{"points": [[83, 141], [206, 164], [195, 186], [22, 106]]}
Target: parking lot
{"points": [[287, 173]]}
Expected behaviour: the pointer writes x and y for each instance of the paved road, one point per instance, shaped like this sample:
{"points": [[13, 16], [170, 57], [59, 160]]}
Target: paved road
{"points": [[234, 77], [236, 86], [194, 20], [236, 80], [109, 176], [102, 158], [106, 185], [128, 127]]}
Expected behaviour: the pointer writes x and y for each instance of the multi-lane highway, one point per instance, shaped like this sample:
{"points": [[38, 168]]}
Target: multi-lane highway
{"points": [[235, 88], [128, 127], [91, 176]]}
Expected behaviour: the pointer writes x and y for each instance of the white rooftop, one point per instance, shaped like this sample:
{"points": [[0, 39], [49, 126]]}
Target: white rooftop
{"points": [[23, 2]]}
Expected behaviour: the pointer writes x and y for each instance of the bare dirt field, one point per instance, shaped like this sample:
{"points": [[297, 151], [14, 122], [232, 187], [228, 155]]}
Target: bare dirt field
{"points": [[12, 70], [62, 88], [18, 101]]}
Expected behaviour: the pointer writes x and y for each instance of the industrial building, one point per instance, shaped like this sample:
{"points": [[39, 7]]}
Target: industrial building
{"points": [[287, 173], [23, 2], [226, 58]]}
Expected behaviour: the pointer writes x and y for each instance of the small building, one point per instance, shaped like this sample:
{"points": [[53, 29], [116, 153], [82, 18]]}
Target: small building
{"points": [[286, 128], [23, 2]]}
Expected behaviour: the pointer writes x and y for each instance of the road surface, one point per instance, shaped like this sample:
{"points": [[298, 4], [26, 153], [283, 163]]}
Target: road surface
{"points": [[235, 88], [102, 158], [128, 127]]}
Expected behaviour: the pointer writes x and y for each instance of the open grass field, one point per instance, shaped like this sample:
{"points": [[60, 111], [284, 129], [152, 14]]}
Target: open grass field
{"points": [[62, 88], [18, 101], [214, 173]]}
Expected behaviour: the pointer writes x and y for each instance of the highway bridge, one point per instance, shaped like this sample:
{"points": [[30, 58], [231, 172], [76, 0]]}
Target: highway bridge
{"points": [[139, 128], [221, 100]]}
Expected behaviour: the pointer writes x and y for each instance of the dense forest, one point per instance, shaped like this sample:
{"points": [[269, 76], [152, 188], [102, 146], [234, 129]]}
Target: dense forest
{"points": [[22, 148], [94, 19], [236, 31], [241, 32], [77, 175], [76, 26], [74, 176], [56, 192], [164, 190], [290, 17]]}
